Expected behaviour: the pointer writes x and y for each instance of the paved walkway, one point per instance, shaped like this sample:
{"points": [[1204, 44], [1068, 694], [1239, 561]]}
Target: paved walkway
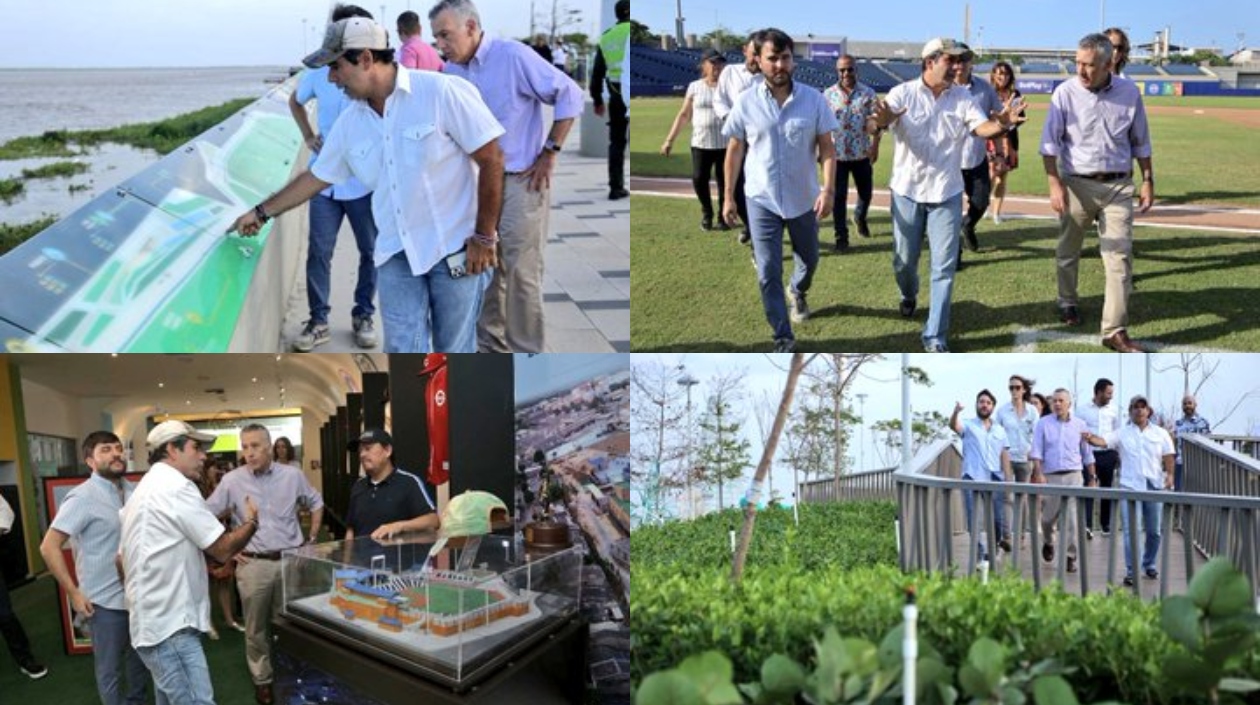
{"points": [[1203, 218], [587, 291]]}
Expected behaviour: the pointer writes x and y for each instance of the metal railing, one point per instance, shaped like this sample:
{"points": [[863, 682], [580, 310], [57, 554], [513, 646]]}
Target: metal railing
{"points": [[1216, 515], [869, 485]]}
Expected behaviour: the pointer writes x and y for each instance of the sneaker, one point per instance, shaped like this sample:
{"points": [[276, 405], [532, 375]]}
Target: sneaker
{"points": [[706, 223], [313, 334], [745, 237], [364, 332], [1047, 552], [972, 243], [997, 218], [863, 229], [1152, 574], [785, 345], [841, 246], [1005, 544], [907, 307], [935, 348], [238, 627], [1106, 533], [617, 194], [799, 309], [1089, 534], [1128, 581], [214, 634], [33, 669], [1071, 564]]}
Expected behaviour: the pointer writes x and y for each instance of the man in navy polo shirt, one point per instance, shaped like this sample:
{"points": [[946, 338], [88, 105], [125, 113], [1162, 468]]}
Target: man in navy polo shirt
{"points": [[387, 500]]}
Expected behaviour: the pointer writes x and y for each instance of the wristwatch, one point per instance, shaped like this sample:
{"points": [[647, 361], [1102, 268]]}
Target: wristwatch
{"points": [[551, 145], [261, 214]]}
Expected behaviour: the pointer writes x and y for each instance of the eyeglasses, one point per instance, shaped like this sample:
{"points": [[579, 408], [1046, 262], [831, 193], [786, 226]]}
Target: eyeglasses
{"points": [[845, 70], [1015, 387]]}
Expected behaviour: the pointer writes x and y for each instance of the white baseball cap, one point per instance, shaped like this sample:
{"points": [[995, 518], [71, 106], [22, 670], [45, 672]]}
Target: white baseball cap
{"points": [[350, 33], [168, 431]]}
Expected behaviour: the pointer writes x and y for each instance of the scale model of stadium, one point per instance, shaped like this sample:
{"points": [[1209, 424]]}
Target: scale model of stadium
{"points": [[441, 602]]}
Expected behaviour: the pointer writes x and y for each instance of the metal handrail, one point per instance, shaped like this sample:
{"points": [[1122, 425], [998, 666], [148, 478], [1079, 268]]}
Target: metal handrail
{"points": [[858, 486], [929, 493]]}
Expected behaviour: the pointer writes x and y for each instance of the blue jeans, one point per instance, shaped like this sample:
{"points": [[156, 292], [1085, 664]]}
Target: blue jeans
{"points": [[326, 215], [939, 223], [111, 649], [996, 527], [767, 241], [1150, 527], [179, 669], [433, 312]]}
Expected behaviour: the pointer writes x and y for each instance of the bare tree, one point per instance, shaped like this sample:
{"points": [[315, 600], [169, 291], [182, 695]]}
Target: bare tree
{"points": [[1196, 369], [655, 409], [799, 361]]}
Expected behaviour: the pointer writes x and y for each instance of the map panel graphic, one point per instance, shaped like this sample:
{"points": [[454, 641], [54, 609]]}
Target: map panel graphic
{"points": [[147, 267]]}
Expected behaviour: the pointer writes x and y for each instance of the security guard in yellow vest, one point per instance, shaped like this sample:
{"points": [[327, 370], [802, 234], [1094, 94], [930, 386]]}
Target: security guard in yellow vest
{"points": [[611, 60]]}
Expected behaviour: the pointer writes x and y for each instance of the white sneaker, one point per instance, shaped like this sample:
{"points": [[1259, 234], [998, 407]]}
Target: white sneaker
{"points": [[997, 218]]}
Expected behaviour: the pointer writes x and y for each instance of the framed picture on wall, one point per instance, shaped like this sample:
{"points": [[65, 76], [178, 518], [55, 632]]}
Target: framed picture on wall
{"points": [[77, 640]]}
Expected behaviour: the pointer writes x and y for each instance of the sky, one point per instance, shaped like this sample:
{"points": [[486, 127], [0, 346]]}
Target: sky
{"points": [[144, 33], [1018, 23], [960, 377], [539, 375]]}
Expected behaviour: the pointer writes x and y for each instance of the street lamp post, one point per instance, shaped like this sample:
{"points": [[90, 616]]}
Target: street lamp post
{"points": [[862, 432], [679, 25], [688, 381]]}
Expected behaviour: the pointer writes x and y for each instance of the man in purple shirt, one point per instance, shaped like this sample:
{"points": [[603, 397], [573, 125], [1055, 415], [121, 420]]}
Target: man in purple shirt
{"points": [[1095, 128], [278, 491], [414, 53], [1059, 451], [516, 83]]}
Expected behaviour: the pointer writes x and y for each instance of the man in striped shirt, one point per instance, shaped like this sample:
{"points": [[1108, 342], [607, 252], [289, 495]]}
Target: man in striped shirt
{"points": [[89, 516]]}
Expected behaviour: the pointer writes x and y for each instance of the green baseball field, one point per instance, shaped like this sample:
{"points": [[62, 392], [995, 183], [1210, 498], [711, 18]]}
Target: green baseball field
{"points": [[1197, 254]]}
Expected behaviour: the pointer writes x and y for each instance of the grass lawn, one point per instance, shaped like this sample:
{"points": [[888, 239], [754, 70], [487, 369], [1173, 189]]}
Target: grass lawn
{"points": [[1198, 158], [697, 291]]}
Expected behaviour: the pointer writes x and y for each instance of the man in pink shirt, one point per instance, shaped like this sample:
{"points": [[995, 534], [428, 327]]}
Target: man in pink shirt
{"points": [[414, 52]]}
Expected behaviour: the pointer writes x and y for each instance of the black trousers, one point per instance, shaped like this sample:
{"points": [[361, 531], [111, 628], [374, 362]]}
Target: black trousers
{"points": [[741, 201], [977, 184], [861, 171], [618, 134], [704, 162], [1105, 462], [11, 628]]}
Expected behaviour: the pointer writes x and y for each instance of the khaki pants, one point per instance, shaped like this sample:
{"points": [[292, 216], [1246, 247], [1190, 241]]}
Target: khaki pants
{"points": [[512, 315], [1054, 505], [1111, 202], [259, 584]]}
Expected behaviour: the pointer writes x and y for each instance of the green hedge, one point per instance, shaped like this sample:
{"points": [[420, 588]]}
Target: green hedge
{"points": [[830, 537], [1115, 642]]}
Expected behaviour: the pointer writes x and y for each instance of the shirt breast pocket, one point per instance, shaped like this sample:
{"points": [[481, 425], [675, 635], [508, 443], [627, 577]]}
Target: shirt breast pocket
{"points": [[416, 141], [365, 161], [797, 132]]}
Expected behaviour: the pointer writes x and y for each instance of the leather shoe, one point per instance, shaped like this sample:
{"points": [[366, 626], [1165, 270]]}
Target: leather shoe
{"points": [[263, 694], [1120, 342], [617, 194], [906, 308], [1047, 552], [1071, 564], [1070, 315]]}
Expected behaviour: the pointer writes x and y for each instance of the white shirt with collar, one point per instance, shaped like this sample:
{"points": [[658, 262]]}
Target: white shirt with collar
{"points": [[416, 161], [1141, 454], [1102, 420], [165, 528], [931, 137], [732, 82]]}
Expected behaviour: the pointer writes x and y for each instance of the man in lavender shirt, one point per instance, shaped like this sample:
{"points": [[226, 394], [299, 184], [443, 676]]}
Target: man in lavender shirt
{"points": [[415, 53], [515, 83], [1095, 128], [278, 491], [1059, 451]]}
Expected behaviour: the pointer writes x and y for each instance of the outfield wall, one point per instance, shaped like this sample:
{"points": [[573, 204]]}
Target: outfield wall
{"points": [[147, 267]]}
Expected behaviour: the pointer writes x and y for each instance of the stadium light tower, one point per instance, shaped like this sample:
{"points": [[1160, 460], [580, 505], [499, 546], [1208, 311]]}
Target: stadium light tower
{"points": [[678, 24]]}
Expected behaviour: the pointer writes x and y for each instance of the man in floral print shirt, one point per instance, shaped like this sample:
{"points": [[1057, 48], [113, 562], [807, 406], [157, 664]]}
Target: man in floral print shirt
{"points": [[856, 151]]}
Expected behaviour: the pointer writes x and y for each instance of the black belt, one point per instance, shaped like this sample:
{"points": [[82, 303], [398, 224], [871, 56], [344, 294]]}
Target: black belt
{"points": [[265, 556], [1106, 175]]}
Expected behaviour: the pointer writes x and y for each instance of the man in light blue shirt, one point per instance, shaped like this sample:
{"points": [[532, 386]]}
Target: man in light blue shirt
{"points": [[515, 82], [786, 130], [89, 516], [985, 458], [349, 199], [1059, 451]]}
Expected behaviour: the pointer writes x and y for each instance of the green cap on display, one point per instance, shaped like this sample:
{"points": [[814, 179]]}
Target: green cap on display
{"points": [[471, 514]]}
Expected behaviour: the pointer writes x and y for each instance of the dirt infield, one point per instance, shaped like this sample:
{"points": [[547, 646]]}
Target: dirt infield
{"points": [[1237, 116], [1241, 220]]}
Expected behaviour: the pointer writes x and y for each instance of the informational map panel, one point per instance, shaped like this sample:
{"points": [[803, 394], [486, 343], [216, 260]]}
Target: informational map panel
{"points": [[147, 267]]}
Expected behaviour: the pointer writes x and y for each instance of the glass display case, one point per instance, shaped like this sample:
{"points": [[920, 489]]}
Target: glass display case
{"points": [[450, 610]]}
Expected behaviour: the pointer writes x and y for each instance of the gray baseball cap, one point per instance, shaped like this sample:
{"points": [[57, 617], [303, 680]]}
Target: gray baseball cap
{"points": [[350, 33]]}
